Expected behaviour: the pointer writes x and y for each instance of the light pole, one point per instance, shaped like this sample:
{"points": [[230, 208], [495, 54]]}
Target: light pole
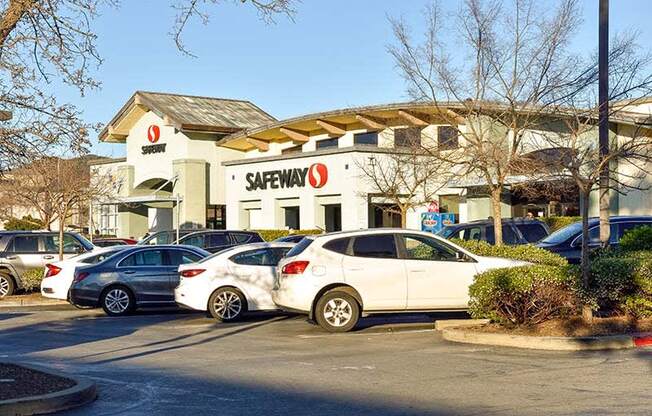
{"points": [[603, 128]]}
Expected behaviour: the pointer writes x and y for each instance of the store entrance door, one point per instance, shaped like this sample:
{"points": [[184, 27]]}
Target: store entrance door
{"points": [[333, 217]]}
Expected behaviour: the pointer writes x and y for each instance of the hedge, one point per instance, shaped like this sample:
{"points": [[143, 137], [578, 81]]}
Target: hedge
{"points": [[525, 252], [524, 295], [271, 235], [555, 223], [32, 278], [639, 238]]}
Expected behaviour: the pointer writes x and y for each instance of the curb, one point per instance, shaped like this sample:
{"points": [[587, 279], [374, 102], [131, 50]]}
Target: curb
{"points": [[459, 323], [30, 303], [611, 342], [84, 392]]}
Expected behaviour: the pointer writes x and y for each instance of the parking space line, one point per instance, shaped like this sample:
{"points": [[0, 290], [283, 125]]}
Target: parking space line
{"points": [[367, 334]]}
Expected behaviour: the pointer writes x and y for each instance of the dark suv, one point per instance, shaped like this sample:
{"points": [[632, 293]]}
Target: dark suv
{"points": [[165, 237], [216, 240], [24, 250], [567, 241], [515, 231]]}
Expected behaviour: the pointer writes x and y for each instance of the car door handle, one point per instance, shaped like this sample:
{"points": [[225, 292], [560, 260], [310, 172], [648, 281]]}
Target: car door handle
{"points": [[48, 257], [129, 272], [12, 257], [354, 269], [417, 271]]}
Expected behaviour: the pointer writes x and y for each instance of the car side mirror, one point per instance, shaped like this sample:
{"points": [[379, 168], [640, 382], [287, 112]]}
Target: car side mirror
{"points": [[80, 250]]}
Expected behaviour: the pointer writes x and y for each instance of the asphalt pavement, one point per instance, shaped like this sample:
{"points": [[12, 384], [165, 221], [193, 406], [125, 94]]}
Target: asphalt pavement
{"points": [[170, 363]]}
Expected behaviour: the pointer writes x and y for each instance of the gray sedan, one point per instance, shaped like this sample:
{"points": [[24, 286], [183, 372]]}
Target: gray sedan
{"points": [[138, 276]]}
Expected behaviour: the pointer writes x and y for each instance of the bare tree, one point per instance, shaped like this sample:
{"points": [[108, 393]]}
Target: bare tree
{"points": [[407, 178], [628, 160], [188, 10], [495, 80]]}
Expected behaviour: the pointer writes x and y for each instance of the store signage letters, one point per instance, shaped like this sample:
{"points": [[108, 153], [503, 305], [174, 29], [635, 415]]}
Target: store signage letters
{"points": [[288, 178]]}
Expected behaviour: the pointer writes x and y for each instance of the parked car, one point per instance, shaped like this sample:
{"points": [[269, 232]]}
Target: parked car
{"points": [[58, 276], [334, 278], [134, 277], [292, 238], [108, 242], [218, 240], [24, 250], [232, 282], [515, 231], [165, 237], [567, 241]]}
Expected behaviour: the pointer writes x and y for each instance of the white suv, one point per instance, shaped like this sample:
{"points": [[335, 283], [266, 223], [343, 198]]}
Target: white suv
{"points": [[334, 278]]}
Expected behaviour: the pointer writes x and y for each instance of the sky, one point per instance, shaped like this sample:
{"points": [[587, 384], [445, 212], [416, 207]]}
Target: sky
{"points": [[334, 55]]}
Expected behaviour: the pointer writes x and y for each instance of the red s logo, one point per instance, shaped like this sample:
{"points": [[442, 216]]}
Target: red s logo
{"points": [[153, 133], [317, 175]]}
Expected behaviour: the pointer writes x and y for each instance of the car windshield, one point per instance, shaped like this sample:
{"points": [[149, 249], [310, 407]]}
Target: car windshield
{"points": [[87, 244], [300, 247], [445, 232], [563, 234]]}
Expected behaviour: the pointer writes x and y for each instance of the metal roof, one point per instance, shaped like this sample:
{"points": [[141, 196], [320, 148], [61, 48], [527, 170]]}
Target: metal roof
{"points": [[187, 113]]}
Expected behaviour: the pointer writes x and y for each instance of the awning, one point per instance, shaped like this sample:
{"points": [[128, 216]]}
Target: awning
{"points": [[143, 199]]}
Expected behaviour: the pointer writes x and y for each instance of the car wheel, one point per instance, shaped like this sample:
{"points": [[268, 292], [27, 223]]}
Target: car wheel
{"points": [[117, 301], [7, 286], [337, 311], [227, 304]]}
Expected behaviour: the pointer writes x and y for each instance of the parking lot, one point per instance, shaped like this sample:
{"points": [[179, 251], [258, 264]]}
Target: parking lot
{"points": [[163, 362]]}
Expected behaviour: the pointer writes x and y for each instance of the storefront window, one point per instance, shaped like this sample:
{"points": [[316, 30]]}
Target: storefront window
{"points": [[447, 137], [108, 220], [370, 138], [407, 137], [323, 144], [216, 217]]}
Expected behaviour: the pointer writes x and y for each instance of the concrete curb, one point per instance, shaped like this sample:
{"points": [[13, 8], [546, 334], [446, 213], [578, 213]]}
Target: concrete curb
{"points": [[611, 342], [82, 393], [459, 323], [26, 303]]}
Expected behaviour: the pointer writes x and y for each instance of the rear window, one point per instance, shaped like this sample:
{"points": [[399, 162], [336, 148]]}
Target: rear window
{"points": [[509, 236], [532, 232], [300, 247], [339, 245], [376, 246]]}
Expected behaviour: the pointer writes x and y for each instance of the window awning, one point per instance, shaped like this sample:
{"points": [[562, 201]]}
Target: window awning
{"points": [[143, 199]]}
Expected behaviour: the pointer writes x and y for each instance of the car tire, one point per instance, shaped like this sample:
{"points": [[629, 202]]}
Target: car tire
{"points": [[337, 311], [117, 301], [7, 285], [227, 304]]}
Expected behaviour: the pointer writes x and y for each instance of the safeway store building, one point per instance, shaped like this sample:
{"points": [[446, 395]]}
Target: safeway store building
{"points": [[208, 162]]}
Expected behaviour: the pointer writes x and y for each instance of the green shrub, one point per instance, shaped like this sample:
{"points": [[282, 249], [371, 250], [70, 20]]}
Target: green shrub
{"points": [[31, 279], [638, 306], [525, 295], [271, 235], [639, 238], [555, 223], [611, 281], [26, 223], [524, 252]]}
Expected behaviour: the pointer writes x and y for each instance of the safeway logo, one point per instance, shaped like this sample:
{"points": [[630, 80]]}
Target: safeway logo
{"points": [[317, 175], [153, 133]]}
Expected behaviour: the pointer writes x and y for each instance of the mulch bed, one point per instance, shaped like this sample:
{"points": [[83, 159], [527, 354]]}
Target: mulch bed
{"points": [[575, 327], [17, 382]]}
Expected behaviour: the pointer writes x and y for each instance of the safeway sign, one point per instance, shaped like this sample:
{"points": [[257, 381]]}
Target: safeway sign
{"points": [[317, 175]]}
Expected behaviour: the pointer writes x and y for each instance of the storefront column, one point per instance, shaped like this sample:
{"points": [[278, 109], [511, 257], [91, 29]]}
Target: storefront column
{"points": [[132, 221], [191, 186]]}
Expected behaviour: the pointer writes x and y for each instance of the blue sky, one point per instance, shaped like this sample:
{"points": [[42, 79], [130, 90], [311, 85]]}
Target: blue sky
{"points": [[333, 56]]}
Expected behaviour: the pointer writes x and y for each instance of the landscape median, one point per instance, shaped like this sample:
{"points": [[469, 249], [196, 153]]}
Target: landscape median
{"points": [[34, 390]]}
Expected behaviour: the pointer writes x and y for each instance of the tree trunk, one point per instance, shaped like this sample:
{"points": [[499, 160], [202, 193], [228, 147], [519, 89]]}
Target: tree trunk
{"points": [[404, 218], [603, 128], [585, 266], [497, 214]]}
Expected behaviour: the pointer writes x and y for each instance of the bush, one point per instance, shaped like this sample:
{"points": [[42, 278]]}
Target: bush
{"points": [[555, 223], [524, 252], [31, 279], [611, 281], [638, 306], [525, 295], [639, 238], [271, 235], [27, 223]]}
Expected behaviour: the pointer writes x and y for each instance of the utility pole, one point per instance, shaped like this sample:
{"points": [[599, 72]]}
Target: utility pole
{"points": [[603, 129]]}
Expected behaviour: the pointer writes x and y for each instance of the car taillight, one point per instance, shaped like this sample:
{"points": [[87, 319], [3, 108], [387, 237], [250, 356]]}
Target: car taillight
{"points": [[52, 270], [295, 267], [191, 272], [79, 276]]}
